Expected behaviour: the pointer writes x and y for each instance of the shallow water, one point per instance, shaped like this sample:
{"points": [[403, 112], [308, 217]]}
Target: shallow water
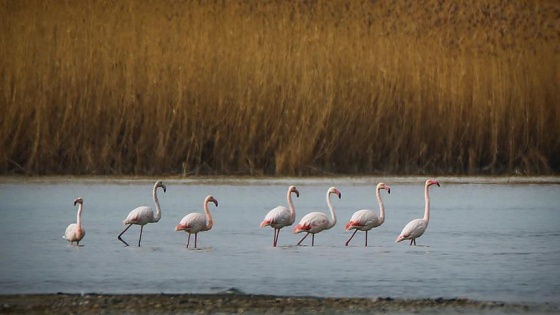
{"points": [[488, 239]]}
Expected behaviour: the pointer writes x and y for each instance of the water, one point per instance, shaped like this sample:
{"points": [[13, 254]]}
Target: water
{"points": [[488, 239]]}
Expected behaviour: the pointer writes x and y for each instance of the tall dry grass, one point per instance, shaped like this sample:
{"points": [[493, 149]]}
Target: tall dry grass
{"points": [[279, 87]]}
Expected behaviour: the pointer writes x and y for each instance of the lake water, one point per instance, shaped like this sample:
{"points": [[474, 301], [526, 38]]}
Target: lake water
{"points": [[488, 239]]}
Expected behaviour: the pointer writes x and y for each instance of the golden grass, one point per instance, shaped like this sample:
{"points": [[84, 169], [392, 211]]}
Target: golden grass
{"points": [[279, 87]]}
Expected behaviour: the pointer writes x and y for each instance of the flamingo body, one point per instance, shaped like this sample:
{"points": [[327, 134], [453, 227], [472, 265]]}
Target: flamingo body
{"points": [[413, 230], [192, 223], [75, 232], [416, 228], [140, 216], [196, 222], [281, 216], [316, 222], [363, 220], [277, 218], [313, 222]]}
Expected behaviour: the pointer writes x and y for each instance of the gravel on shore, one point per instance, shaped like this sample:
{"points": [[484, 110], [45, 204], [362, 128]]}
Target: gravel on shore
{"points": [[248, 304]]}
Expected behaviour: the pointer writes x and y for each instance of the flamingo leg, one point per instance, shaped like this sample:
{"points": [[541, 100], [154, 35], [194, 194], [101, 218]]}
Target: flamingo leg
{"points": [[195, 239], [414, 242], [119, 237], [276, 234], [366, 238], [188, 240], [313, 239], [348, 241], [140, 238], [302, 239]]}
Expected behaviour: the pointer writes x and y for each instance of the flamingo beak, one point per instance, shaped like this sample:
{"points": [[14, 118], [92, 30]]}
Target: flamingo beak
{"points": [[164, 188], [75, 202], [297, 193], [437, 183], [215, 202], [388, 190]]}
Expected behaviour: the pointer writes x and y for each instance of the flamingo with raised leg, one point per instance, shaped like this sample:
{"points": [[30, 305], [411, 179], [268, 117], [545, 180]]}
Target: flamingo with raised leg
{"points": [[415, 228], [281, 216], [75, 231], [315, 222], [365, 220], [196, 222], [144, 214]]}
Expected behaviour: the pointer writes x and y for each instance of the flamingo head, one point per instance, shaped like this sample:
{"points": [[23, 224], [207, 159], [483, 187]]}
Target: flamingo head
{"points": [[333, 190], [431, 182], [383, 186], [210, 198], [293, 189], [78, 200], [162, 185]]}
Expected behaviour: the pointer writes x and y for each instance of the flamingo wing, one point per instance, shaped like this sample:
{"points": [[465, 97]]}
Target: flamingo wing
{"points": [[141, 215], [277, 218], [363, 220], [313, 222], [192, 223], [413, 229]]}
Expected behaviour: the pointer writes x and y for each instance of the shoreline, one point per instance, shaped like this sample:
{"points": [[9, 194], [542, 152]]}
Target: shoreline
{"points": [[268, 180], [224, 303]]}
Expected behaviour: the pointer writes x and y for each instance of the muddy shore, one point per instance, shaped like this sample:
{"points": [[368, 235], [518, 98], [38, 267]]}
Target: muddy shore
{"points": [[248, 304]]}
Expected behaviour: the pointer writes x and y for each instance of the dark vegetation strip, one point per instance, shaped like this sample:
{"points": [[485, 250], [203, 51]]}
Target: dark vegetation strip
{"points": [[279, 87]]}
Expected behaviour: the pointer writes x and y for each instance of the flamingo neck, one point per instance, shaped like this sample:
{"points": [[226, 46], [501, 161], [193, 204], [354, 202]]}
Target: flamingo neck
{"points": [[292, 209], [333, 215], [427, 205], [158, 208], [381, 207], [79, 215], [209, 220]]}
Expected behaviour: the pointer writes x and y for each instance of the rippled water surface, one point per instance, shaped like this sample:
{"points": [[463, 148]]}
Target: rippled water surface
{"points": [[487, 239]]}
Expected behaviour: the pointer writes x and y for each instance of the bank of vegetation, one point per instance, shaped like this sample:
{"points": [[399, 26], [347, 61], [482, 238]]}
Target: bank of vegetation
{"points": [[279, 87]]}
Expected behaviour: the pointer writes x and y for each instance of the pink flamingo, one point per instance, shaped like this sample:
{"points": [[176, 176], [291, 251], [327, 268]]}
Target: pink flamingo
{"points": [[281, 216], [365, 220], [316, 222], [75, 232], [193, 223], [417, 227], [144, 214]]}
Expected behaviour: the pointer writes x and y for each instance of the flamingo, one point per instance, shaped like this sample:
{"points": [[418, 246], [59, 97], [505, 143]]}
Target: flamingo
{"points": [[193, 223], [144, 214], [365, 220], [315, 222], [75, 232], [281, 216], [417, 227]]}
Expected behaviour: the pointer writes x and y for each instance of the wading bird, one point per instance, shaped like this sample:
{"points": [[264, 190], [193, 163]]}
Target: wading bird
{"points": [[365, 220], [415, 228], [144, 214], [75, 232], [315, 222], [193, 223], [281, 216]]}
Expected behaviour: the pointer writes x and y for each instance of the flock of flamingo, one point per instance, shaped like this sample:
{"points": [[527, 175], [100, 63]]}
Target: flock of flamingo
{"points": [[278, 218]]}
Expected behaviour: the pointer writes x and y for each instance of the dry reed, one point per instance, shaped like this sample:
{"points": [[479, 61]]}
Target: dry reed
{"points": [[279, 87]]}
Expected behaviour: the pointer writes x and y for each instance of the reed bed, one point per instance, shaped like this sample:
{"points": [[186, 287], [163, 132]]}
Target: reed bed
{"points": [[279, 87]]}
